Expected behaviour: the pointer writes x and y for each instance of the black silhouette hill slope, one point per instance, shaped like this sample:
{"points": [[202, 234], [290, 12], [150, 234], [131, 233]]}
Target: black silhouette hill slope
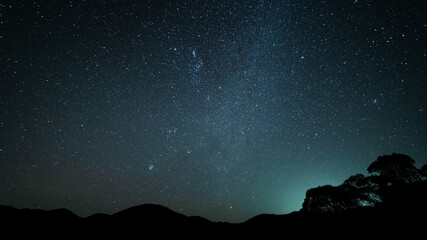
{"points": [[392, 202], [35, 216], [403, 213], [146, 218], [152, 214]]}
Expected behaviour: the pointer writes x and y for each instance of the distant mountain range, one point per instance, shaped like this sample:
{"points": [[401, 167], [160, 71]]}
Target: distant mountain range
{"points": [[389, 203], [404, 215]]}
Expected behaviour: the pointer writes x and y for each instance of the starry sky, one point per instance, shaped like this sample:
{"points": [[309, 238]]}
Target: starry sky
{"points": [[221, 109]]}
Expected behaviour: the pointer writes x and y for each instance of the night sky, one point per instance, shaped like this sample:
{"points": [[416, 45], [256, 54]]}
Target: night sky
{"points": [[221, 109]]}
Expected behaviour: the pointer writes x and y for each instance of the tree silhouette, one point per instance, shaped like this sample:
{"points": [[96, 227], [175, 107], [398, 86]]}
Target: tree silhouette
{"points": [[328, 199], [364, 190], [388, 173], [423, 171], [357, 181], [396, 168]]}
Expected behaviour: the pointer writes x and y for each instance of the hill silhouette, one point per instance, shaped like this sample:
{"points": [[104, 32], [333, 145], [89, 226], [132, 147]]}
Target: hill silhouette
{"points": [[403, 212], [388, 204]]}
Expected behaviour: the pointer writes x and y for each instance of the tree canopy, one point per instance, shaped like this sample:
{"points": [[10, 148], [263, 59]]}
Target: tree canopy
{"points": [[360, 190], [328, 199], [396, 168]]}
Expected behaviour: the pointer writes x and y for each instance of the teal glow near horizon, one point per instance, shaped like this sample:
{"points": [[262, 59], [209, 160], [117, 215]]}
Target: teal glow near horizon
{"points": [[220, 109]]}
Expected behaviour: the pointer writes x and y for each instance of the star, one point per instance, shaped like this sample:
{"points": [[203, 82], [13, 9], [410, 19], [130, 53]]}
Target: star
{"points": [[223, 102]]}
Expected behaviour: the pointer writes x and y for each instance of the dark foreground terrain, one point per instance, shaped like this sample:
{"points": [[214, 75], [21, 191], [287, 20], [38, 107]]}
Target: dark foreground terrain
{"points": [[402, 213]]}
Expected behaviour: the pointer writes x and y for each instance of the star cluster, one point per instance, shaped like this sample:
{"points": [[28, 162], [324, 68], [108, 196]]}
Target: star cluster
{"points": [[223, 109]]}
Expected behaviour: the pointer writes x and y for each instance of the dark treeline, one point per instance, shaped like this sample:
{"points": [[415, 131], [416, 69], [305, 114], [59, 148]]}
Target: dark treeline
{"points": [[387, 172]]}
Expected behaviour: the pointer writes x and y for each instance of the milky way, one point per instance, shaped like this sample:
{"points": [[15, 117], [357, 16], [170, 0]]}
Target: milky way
{"points": [[222, 109]]}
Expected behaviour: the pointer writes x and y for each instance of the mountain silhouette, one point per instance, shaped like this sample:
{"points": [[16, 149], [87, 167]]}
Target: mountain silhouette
{"points": [[392, 202], [403, 213]]}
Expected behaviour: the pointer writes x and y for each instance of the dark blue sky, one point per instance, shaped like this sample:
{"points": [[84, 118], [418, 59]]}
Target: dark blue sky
{"points": [[223, 109]]}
